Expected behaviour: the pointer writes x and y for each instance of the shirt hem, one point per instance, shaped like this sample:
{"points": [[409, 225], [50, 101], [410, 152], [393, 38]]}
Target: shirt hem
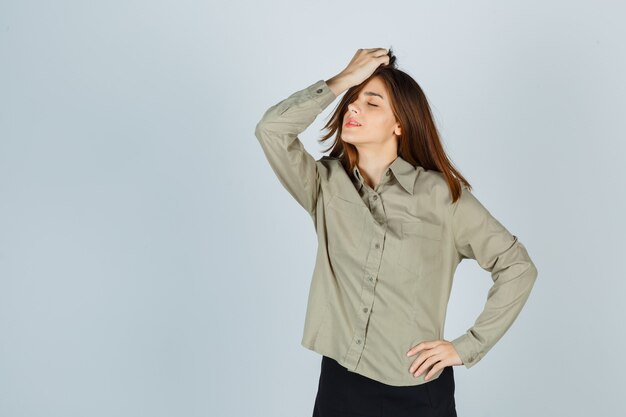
{"points": [[386, 381]]}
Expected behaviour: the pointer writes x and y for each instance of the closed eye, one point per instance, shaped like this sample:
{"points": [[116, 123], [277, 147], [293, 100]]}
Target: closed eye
{"points": [[372, 104]]}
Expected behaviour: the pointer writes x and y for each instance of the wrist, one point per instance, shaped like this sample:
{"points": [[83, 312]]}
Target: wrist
{"points": [[339, 83]]}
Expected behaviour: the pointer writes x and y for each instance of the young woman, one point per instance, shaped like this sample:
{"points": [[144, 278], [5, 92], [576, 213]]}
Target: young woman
{"points": [[393, 218]]}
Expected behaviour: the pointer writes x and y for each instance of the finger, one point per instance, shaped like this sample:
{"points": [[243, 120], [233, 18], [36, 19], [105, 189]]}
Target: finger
{"points": [[416, 364], [418, 347], [434, 343], [427, 364], [415, 349], [433, 371], [415, 367], [376, 51], [422, 362]]}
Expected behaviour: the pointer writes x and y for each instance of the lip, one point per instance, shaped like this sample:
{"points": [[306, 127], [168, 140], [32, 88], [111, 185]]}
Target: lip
{"points": [[351, 120]]}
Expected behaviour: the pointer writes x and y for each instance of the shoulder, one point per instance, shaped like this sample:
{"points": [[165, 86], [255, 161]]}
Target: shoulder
{"points": [[435, 185]]}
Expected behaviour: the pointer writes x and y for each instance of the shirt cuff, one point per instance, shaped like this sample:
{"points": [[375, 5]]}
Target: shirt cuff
{"points": [[464, 345], [321, 93]]}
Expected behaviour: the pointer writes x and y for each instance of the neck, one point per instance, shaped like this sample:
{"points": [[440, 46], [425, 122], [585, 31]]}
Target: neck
{"points": [[373, 163]]}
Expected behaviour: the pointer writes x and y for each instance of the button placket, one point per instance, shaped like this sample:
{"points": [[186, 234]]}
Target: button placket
{"points": [[378, 226], [372, 265]]}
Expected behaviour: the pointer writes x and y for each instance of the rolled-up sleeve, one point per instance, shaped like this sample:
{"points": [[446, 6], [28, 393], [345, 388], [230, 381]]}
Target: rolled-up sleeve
{"points": [[478, 235], [278, 131]]}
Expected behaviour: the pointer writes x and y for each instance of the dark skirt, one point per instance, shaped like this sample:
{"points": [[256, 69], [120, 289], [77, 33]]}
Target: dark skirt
{"points": [[342, 393]]}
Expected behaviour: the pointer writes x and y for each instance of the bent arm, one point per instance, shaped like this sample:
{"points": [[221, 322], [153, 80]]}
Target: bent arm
{"points": [[478, 235]]}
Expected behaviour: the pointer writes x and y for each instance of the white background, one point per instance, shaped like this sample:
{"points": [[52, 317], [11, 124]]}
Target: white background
{"points": [[141, 227]]}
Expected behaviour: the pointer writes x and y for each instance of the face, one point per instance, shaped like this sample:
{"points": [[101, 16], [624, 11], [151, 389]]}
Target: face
{"points": [[372, 110]]}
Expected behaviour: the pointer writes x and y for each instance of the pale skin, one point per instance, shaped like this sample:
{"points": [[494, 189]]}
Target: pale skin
{"points": [[376, 143]]}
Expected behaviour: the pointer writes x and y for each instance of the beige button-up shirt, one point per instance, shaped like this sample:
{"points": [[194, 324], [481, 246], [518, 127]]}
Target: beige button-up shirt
{"points": [[386, 257]]}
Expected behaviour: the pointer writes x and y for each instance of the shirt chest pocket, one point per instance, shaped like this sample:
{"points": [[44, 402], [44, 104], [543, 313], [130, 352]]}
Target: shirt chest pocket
{"points": [[345, 222], [420, 248]]}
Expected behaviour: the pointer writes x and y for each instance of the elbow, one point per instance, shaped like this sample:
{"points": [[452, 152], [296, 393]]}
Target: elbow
{"points": [[533, 271], [530, 273], [528, 277], [258, 129]]}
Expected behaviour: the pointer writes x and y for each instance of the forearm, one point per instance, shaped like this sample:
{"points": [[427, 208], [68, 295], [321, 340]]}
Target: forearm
{"points": [[514, 276], [338, 84]]}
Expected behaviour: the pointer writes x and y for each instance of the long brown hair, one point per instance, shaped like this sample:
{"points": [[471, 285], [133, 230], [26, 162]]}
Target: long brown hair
{"points": [[419, 143]]}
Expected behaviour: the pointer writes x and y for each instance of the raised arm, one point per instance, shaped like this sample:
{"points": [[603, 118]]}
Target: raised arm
{"points": [[278, 131]]}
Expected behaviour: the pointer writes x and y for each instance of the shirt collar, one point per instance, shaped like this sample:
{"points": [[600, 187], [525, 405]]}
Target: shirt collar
{"points": [[403, 171]]}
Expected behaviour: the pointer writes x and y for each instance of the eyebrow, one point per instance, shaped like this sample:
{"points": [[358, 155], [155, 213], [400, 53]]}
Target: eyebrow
{"points": [[371, 93]]}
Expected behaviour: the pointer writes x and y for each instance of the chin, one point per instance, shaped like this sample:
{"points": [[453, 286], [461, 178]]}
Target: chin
{"points": [[352, 140], [355, 142]]}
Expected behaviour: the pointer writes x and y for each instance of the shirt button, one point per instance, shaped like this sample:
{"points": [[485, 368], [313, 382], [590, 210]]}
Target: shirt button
{"points": [[358, 342], [365, 310], [375, 197], [377, 246], [371, 279], [319, 90], [387, 172]]}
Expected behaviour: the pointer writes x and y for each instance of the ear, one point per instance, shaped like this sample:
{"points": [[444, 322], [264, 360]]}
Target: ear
{"points": [[398, 130]]}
